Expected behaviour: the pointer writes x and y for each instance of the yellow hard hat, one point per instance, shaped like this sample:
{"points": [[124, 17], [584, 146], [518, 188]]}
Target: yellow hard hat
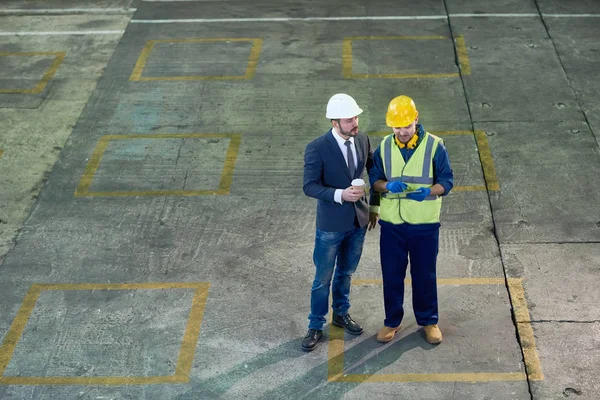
{"points": [[401, 112]]}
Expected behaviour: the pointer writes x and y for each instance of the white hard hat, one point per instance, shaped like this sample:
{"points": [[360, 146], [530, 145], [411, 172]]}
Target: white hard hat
{"points": [[342, 106]]}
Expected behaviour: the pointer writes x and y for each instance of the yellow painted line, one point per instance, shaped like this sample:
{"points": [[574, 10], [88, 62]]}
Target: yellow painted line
{"points": [[141, 62], [335, 354], [487, 162], [230, 160], [440, 281], [466, 188], [463, 56], [186, 352], [202, 40], [28, 53], [92, 380], [136, 75], [471, 281], [347, 58], [224, 183], [122, 286], [397, 37], [253, 59], [59, 57], [194, 78], [461, 49], [525, 330], [50, 73], [405, 76], [362, 282], [336, 344], [443, 133], [440, 377], [131, 193], [169, 136], [16, 329], [192, 332], [90, 170]]}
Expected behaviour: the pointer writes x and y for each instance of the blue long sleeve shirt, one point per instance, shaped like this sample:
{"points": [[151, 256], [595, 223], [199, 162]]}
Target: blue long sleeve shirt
{"points": [[442, 173]]}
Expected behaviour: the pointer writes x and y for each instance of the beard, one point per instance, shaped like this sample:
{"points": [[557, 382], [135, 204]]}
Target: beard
{"points": [[405, 137], [350, 133]]}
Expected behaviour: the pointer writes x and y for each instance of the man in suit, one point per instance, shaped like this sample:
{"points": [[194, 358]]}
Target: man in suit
{"points": [[331, 162]]}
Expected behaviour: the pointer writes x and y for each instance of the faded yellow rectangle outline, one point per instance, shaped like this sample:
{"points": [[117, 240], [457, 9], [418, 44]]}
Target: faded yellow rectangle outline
{"points": [[485, 156], [143, 59], [59, 56], [94, 162], [186, 352], [461, 52], [335, 370]]}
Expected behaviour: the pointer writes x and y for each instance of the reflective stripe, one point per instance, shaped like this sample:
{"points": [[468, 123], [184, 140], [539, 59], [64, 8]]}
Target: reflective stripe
{"points": [[388, 159], [427, 163], [423, 179], [415, 179]]}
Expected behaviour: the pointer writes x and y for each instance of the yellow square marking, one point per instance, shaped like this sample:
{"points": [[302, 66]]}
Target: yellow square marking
{"points": [[335, 370], [94, 162], [250, 68], [461, 51], [186, 352], [59, 56], [485, 156]]}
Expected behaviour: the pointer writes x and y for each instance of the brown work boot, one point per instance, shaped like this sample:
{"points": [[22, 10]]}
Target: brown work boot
{"points": [[433, 335], [386, 334]]}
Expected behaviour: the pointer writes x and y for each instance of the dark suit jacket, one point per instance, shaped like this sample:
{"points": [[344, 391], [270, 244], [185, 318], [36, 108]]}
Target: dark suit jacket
{"points": [[325, 170]]}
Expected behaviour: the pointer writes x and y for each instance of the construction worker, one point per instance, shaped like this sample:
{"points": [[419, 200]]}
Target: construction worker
{"points": [[331, 162], [411, 171]]}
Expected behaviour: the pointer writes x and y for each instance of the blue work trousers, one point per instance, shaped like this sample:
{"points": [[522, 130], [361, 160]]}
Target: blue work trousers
{"points": [[346, 249], [397, 244]]}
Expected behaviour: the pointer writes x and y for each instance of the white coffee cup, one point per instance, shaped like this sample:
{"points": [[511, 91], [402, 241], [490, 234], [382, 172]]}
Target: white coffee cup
{"points": [[358, 184]]}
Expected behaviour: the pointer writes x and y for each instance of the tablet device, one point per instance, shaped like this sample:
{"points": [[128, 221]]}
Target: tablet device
{"points": [[400, 195]]}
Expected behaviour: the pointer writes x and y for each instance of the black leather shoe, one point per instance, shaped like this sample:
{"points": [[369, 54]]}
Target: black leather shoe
{"points": [[346, 322], [311, 339]]}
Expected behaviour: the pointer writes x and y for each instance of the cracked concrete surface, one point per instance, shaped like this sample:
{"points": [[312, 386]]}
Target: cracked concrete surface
{"points": [[518, 265]]}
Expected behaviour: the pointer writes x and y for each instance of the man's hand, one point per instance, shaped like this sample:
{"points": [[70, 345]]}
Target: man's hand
{"points": [[396, 186], [352, 195], [373, 217], [420, 195]]}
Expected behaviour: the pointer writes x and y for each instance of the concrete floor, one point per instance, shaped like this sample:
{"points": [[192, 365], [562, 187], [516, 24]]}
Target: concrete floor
{"points": [[156, 244]]}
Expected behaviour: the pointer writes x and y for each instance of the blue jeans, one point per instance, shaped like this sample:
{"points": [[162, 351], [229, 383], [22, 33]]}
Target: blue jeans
{"points": [[346, 248]]}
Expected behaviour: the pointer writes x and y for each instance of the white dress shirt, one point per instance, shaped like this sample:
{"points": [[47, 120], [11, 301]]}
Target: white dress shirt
{"points": [[337, 197]]}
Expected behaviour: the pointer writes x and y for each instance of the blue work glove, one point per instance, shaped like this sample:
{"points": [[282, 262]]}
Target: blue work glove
{"points": [[420, 195], [396, 186]]}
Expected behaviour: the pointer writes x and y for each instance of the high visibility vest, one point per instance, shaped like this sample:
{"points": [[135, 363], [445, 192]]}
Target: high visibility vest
{"points": [[418, 172]]}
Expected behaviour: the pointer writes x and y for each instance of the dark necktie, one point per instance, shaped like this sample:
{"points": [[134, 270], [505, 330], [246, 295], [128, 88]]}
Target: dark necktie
{"points": [[351, 166]]}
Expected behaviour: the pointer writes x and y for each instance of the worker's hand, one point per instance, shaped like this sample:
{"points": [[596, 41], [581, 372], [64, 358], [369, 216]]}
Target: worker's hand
{"points": [[352, 195], [396, 186], [373, 217], [420, 195]]}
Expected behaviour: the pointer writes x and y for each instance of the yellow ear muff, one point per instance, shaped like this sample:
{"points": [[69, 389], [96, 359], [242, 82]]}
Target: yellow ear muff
{"points": [[411, 144]]}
